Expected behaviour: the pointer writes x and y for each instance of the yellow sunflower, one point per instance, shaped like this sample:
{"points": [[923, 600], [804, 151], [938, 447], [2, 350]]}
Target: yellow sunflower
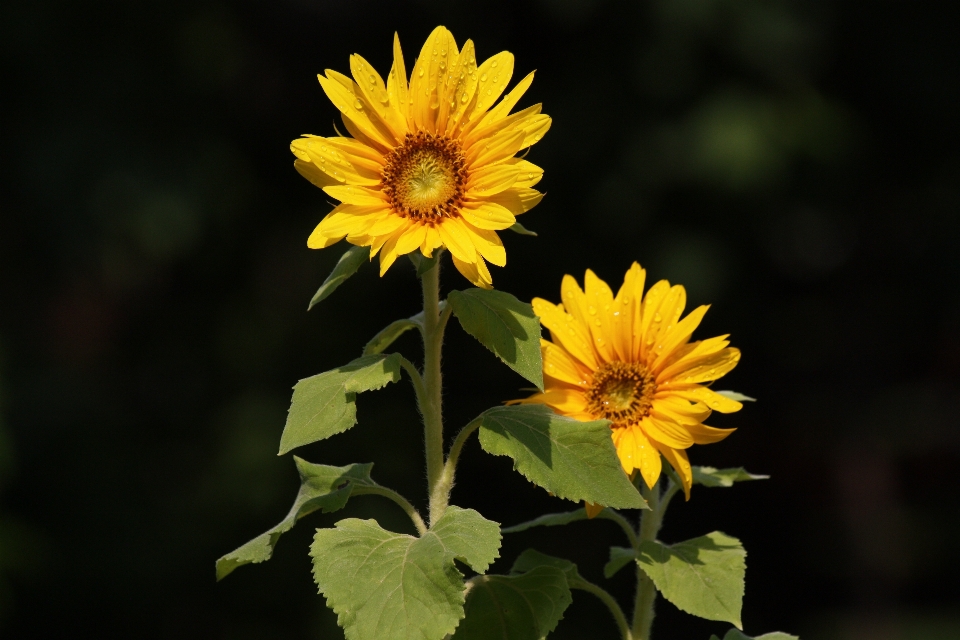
{"points": [[431, 161], [628, 359]]}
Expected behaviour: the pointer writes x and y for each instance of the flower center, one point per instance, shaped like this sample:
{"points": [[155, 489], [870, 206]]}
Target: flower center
{"points": [[424, 177], [622, 392]]}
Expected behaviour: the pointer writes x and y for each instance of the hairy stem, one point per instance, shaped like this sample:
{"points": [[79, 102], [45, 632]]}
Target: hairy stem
{"points": [[430, 406], [450, 467], [650, 522], [608, 600], [400, 500]]}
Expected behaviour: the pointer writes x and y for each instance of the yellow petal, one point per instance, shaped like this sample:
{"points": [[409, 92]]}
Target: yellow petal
{"points": [[319, 241], [566, 331], [534, 129], [558, 364], [513, 122], [704, 369], [493, 77], [599, 300], [489, 180], [349, 219], [460, 84], [411, 239], [487, 215], [456, 238], [705, 395], [593, 510], [702, 434], [630, 298], [676, 335], [431, 241], [516, 200], [386, 225], [637, 452], [349, 194], [375, 95], [397, 88], [334, 163], [665, 431], [563, 400], [426, 81], [388, 254], [529, 175], [476, 271], [487, 244], [312, 173], [681, 464], [351, 102], [494, 149], [509, 101]]}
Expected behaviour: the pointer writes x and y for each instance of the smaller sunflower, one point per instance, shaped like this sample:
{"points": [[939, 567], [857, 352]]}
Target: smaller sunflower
{"points": [[628, 359], [431, 158]]}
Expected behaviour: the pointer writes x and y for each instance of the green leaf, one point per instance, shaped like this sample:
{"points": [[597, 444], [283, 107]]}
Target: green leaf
{"points": [[324, 405], [710, 477], [321, 487], [525, 607], [423, 264], [469, 537], [387, 586], [380, 342], [733, 634], [549, 520], [504, 325], [519, 228], [703, 576], [733, 395], [619, 558], [531, 559], [346, 266], [571, 459]]}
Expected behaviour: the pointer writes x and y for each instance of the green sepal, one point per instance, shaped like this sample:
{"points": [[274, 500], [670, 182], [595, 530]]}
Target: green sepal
{"points": [[384, 585], [738, 397], [322, 487], [549, 520], [516, 607], [380, 342], [346, 266], [423, 264], [619, 558], [703, 576], [324, 405], [573, 460], [733, 634], [516, 227], [504, 325], [710, 477]]}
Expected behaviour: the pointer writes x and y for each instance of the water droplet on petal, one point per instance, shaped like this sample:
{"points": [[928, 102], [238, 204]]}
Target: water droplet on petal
{"points": [[483, 78], [420, 73], [494, 65], [593, 310], [657, 318], [358, 105]]}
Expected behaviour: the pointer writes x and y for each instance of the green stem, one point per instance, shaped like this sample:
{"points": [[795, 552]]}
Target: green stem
{"points": [[399, 499], [430, 406], [450, 467], [416, 379], [608, 600], [650, 522], [610, 514]]}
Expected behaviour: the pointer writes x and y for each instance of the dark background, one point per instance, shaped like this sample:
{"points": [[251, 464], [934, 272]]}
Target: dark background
{"points": [[795, 164]]}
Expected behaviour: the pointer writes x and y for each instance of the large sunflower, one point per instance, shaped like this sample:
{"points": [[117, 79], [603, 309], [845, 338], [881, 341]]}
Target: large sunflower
{"points": [[431, 162], [628, 359]]}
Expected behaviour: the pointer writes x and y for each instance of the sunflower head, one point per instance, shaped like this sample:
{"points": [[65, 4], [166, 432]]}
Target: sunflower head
{"points": [[430, 160], [628, 358]]}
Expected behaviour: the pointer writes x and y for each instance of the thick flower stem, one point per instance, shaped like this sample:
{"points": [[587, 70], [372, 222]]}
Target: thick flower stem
{"points": [[432, 382], [650, 522]]}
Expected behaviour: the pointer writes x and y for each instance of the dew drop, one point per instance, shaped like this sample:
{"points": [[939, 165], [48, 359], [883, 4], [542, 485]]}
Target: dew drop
{"points": [[483, 78], [714, 404], [443, 52], [358, 105], [657, 318], [373, 79], [496, 79], [494, 65], [463, 98], [593, 310], [420, 72], [488, 91]]}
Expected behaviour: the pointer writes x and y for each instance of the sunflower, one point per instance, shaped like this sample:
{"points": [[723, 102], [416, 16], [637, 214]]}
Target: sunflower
{"points": [[429, 163], [628, 359]]}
